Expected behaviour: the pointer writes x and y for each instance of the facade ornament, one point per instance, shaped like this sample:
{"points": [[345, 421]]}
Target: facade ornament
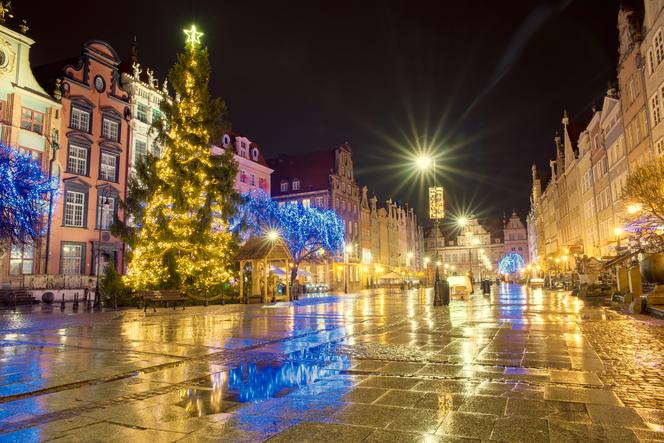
{"points": [[5, 11], [165, 86], [57, 90], [565, 118], [23, 27], [151, 79], [137, 69]]}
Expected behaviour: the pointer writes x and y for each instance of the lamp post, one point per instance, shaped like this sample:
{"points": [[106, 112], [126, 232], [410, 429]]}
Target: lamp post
{"points": [[348, 249], [55, 145], [105, 194]]}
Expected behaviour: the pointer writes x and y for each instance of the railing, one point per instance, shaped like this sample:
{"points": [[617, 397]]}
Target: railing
{"points": [[52, 281]]}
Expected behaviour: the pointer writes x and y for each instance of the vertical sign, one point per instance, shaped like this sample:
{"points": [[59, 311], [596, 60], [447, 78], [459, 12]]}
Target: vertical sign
{"points": [[436, 203]]}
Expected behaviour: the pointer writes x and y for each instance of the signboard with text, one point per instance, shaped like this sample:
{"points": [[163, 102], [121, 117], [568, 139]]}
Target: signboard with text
{"points": [[436, 203]]}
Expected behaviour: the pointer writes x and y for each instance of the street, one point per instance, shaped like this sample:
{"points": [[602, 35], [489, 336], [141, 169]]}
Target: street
{"points": [[372, 366]]}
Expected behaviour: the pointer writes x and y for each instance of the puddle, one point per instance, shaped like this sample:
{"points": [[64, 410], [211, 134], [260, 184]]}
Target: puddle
{"points": [[260, 381]]}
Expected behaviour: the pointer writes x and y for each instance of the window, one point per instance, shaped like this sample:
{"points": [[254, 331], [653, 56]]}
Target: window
{"points": [[252, 179], [343, 187], [110, 130], [296, 185], [22, 259], [80, 119], [320, 201], [105, 211], [74, 208], [156, 115], [77, 162], [140, 150], [651, 62], [283, 186], [659, 146], [655, 110], [72, 256], [142, 112], [659, 47], [261, 183], [156, 149], [108, 167], [306, 203], [32, 120]]}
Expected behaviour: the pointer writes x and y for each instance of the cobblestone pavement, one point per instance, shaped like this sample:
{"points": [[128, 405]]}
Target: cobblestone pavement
{"points": [[373, 366]]}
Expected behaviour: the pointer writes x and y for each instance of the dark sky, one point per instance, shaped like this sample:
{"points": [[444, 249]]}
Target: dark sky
{"points": [[483, 82]]}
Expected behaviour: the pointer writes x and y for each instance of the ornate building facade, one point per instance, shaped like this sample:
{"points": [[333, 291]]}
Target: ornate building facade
{"points": [[30, 122]]}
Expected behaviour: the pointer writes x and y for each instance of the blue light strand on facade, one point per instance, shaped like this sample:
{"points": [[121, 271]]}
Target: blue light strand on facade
{"points": [[24, 196]]}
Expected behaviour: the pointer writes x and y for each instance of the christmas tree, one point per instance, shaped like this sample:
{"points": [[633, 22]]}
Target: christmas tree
{"points": [[181, 237]]}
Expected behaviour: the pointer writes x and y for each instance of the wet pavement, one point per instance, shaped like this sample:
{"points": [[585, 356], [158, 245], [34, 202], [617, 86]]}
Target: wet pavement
{"points": [[373, 366]]}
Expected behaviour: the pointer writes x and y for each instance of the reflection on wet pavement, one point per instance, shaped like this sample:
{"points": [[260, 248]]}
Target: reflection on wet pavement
{"points": [[518, 365]]}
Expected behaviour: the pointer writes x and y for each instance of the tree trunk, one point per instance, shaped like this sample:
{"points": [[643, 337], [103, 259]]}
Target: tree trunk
{"points": [[293, 274]]}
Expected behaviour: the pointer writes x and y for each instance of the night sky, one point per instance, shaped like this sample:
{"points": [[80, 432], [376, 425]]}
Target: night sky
{"points": [[482, 82]]}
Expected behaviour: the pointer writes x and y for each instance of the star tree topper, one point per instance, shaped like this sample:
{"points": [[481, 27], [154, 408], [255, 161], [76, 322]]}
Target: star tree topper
{"points": [[193, 36]]}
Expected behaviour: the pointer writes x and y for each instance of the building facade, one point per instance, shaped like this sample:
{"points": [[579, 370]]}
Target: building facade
{"points": [[379, 238], [253, 172], [93, 161], [29, 122]]}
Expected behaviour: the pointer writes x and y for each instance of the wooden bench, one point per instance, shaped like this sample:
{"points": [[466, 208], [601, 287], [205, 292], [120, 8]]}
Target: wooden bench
{"points": [[164, 296]]}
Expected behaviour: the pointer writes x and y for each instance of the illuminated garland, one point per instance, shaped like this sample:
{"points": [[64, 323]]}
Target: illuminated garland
{"points": [[24, 197], [184, 241], [511, 264], [308, 232]]}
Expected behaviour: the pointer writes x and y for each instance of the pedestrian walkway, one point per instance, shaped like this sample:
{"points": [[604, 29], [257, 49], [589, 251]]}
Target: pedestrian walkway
{"points": [[372, 366]]}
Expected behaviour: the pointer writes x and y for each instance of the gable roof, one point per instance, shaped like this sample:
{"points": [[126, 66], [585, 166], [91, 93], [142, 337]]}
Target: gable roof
{"points": [[313, 169]]}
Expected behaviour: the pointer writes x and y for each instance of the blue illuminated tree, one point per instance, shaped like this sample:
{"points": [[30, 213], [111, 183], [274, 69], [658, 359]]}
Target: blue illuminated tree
{"points": [[24, 197], [511, 263], [309, 233]]}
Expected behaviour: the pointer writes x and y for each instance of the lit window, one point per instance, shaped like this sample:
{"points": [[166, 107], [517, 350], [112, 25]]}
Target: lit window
{"points": [[243, 177], [296, 185], [283, 186], [110, 130], [77, 161], [306, 203], [80, 119], [252, 180], [659, 47], [142, 112], [660, 146], [320, 201], [72, 258], [156, 115], [74, 208], [108, 167], [32, 120], [655, 110], [22, 259]]}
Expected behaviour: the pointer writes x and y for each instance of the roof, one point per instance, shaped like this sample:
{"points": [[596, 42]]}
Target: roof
{"points": [[48, 73], [313, 169], [259, 248], [218, 141]]}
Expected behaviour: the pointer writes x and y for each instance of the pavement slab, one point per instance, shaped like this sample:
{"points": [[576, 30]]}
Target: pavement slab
{"points": [[516, 365]]}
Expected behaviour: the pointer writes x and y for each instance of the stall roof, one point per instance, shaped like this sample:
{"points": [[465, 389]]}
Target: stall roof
{"points": [[260, 248]]}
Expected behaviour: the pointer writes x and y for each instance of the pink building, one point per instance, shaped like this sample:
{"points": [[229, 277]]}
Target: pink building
{"points": [[253, 172]]}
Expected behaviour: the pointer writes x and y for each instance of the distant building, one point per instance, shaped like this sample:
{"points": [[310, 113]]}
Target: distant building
{"points": [[253, 171], [30, 122], [324, 179]]}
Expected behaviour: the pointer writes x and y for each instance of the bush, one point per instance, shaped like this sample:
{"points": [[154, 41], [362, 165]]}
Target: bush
{"points": [[112, 288]]}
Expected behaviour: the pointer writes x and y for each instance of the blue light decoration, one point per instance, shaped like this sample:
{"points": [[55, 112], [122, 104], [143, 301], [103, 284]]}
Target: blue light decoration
{"points": [[24, 197], [511, 263], [308, 232]]}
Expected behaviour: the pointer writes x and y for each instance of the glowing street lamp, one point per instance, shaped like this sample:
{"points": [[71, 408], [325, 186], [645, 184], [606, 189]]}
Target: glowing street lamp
{"points": [[272, 235], [462, 221]]}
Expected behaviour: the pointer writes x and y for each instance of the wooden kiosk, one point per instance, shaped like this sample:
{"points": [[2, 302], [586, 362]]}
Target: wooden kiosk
{"points": [[261, 253]]}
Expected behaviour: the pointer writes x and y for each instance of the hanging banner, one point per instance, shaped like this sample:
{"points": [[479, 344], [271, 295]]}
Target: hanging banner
{"points": [[436, 203]]}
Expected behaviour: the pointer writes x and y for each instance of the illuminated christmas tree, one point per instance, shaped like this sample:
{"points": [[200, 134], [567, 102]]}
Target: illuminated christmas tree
{"points": [[182, 238]]}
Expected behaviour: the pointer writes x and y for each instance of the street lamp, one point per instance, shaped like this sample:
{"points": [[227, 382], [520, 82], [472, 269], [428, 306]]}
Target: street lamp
{"points": [[424, 163], [272, 235], [105, 195]]}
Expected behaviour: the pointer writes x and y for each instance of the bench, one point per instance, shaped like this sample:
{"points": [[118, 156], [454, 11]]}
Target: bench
{"points": [[164, 296], [15, 297]]}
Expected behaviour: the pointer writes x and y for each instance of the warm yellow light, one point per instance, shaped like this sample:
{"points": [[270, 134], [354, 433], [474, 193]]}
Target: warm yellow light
{"points": [[566, 251], [538, 267], [565, 257], [462, 221], [272, 234], [633, 209], [423, 162], [618, 230], [438, 263], [427, 260], [557, 259], [410, 255], [481, 251], [193, 36], [349, 248]]}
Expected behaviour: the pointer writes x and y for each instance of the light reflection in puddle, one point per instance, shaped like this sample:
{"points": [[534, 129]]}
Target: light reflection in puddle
{"points": [[255, 382]]}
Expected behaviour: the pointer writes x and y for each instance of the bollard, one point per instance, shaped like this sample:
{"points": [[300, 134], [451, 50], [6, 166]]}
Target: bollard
{"points": [[62, 303], [445, 292], [486, 287], [75, 306], [436, 293]]}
